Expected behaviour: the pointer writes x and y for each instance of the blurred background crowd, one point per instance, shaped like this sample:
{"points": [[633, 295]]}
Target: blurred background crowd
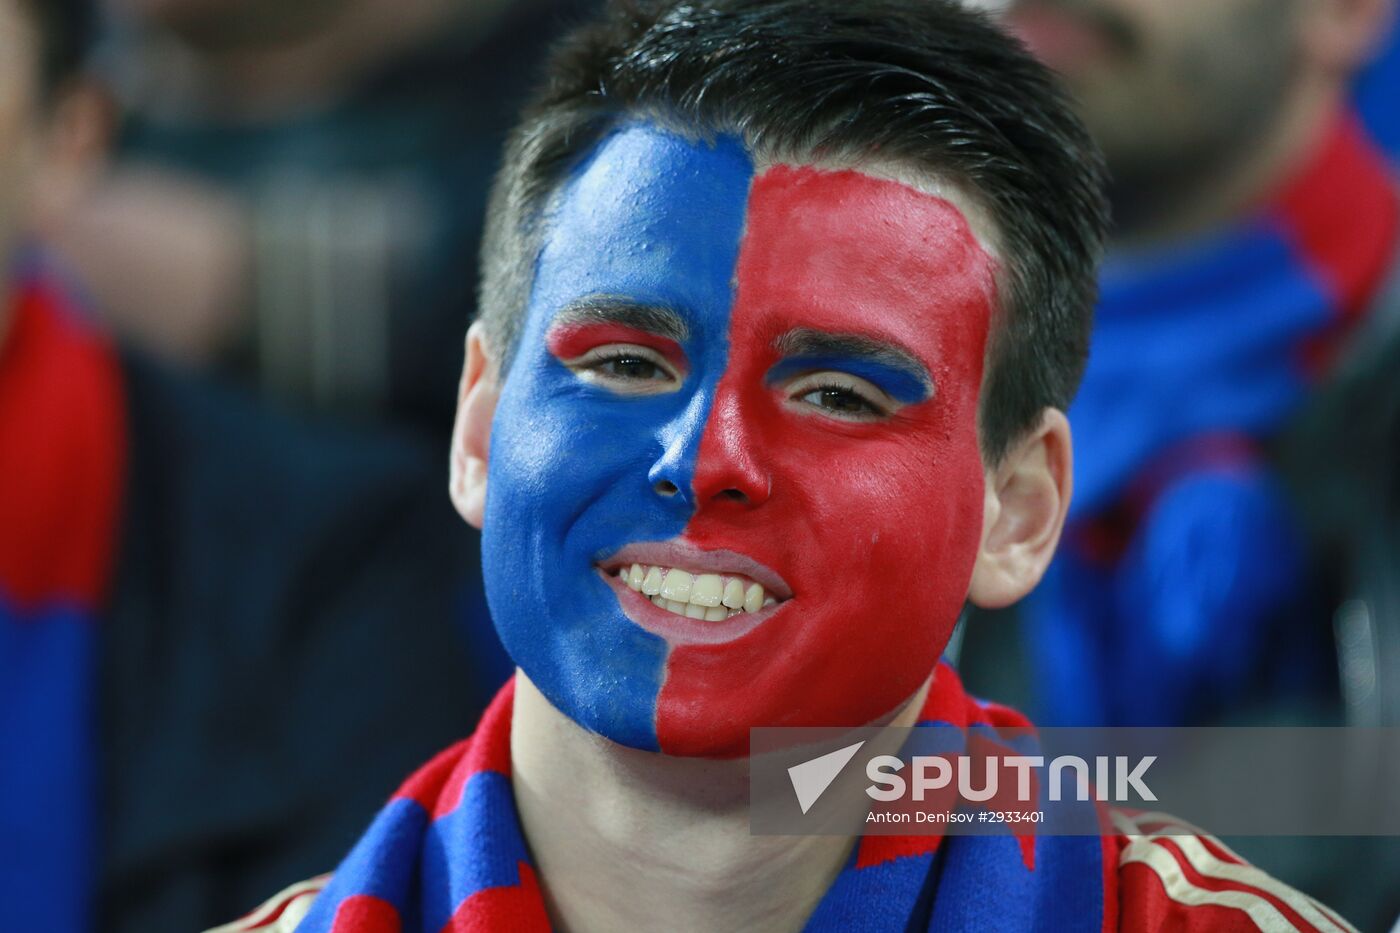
{"points": [[239, 242]]}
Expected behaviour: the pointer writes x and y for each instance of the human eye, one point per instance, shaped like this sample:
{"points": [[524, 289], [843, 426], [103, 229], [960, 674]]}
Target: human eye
{"points": [[842, 396], [627, 369]]}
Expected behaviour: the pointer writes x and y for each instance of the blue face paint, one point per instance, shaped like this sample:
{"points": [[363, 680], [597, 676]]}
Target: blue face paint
{"points": [[903, 384], [654, 220]]}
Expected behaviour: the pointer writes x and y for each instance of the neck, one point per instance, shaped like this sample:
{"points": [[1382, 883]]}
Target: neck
{"points": [[623, 836], [1158, 215], [278, 79]]}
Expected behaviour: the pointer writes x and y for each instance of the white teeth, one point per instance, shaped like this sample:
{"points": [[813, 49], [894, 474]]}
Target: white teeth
{"points": [[734, 593], [753, 598], [707, 596], [677, 586], [707, 590]]}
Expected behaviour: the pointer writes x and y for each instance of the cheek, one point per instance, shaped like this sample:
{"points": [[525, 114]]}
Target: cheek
{"points": [[551, 454], [531, 446], [899, 518], [877, 537], [569, 469]]}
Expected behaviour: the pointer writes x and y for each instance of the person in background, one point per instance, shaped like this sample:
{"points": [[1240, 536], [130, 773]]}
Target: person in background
{"points": [[1255, 229], [297, 188], [1253, 249], [193, 593]]}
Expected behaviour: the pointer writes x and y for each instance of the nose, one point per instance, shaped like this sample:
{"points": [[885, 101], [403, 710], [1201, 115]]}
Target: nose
{"points": [[730, 464], [711, 459], [670, 475]]}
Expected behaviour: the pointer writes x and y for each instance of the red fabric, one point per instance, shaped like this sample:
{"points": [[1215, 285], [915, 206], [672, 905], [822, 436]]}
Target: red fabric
{"points": [[1217, 884], [1135, 895], [1343, 214], [426, 784], [875, 850], [62, 454], [365, 914], [519, 909], [438, 785], [1177, 894], [1145, 906]]}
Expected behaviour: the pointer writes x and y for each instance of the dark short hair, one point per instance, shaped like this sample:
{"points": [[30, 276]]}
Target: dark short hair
{"points": [[65, 30], [925, 84]]}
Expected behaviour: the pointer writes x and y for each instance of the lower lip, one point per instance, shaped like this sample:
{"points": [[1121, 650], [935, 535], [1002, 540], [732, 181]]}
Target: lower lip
{"points": [[683, 630]]}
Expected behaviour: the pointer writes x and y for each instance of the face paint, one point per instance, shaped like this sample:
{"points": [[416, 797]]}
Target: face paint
{"points": [[768, 379], [572, 341], [874, 524]]}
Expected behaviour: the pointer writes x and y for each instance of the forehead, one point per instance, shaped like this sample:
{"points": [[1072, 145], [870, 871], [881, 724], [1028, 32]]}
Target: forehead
{"points": [[657, 218], [651, 215]]}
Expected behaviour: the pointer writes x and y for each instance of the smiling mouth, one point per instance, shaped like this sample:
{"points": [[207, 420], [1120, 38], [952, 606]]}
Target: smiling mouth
{"points": [[710, 597], [693, 596]]}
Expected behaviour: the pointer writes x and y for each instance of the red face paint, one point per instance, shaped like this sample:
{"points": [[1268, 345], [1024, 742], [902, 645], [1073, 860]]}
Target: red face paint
{"points": [[874, 525], [570, 341]]}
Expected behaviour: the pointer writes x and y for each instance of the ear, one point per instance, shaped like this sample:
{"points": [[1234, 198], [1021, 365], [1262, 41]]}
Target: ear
{"points": [[471, 434], [1027, 498], [1341, 35]]}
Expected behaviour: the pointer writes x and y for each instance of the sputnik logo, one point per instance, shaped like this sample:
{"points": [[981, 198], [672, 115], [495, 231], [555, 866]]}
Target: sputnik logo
{"points": [[811, 778]]}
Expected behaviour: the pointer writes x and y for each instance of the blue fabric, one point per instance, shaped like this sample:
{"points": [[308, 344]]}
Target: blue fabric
{"points": [[985, 886], [46, 733], [875, 899], [432, 855], [1377, 94], [1205, 341], [453, 868], [1176, 625]]}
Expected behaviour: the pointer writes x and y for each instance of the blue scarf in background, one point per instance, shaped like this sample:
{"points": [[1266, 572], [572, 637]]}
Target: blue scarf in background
{"points": [[1181, 561]]}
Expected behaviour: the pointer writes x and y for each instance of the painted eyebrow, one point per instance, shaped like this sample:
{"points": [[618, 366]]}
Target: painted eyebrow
{"points": [[605, 309], [803, 346]]}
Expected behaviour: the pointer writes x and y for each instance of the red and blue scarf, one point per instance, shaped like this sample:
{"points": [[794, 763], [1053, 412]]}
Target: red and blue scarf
{"points": [[447, 854], [1181, 559], [62, 451]]}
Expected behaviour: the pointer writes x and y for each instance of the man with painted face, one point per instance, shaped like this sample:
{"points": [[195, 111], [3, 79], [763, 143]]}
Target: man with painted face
{"points": [[782, 303]]}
